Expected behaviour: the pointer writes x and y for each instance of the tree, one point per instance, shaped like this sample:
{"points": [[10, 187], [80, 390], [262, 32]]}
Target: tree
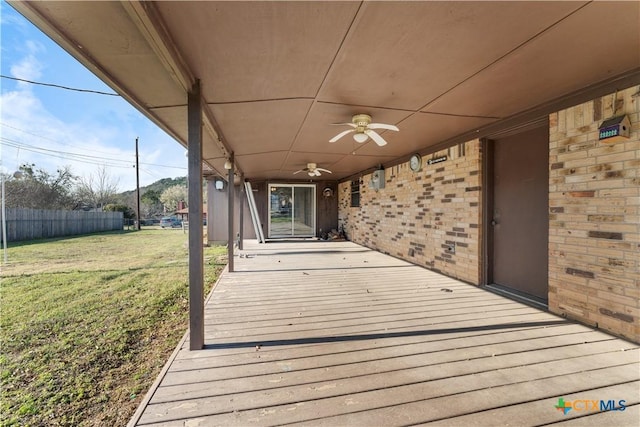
{"points": [[96, 190], [128, 213], [172, 195], [39, 189], [150, 204], [151, 197]]}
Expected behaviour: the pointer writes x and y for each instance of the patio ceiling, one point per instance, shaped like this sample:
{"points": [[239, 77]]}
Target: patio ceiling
{"points": [[275, 75]]}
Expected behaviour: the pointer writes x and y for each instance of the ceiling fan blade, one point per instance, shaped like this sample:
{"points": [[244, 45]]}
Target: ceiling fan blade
{"points": [[317, 172], [376, 138], [312, 173], [383, 126], [324, 170], [353, 125], [340, 135], [301, 170]]}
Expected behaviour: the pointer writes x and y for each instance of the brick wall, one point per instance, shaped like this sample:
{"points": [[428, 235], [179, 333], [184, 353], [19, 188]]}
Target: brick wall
{"points": [[418, 215], [594, 227], [594, 215]]}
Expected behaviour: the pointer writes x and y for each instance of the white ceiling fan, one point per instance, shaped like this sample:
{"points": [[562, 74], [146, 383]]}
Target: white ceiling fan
{"points": [[363, 128], [313, 170]]}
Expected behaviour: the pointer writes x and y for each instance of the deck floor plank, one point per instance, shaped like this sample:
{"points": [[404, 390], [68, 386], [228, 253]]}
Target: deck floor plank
{"points": [[334, 334], [544, 412]]}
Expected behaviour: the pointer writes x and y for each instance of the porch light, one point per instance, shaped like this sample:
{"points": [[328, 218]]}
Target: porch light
{"points": [[219, 184], [228, 165]]}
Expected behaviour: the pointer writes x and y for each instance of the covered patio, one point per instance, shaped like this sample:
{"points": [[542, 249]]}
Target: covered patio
{"points": [[338, 334], [332, 333], [254, 91]]}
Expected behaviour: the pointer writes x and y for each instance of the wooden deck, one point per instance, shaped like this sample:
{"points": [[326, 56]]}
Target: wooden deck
{"points": [[334, 334]]}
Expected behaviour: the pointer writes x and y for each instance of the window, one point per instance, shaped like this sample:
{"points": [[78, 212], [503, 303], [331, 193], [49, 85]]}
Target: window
{"points": [[355, 193]]}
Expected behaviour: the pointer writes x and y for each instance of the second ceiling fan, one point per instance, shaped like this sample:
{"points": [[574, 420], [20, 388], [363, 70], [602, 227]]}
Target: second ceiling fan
{"points": [[312, 169], [363, 129]]}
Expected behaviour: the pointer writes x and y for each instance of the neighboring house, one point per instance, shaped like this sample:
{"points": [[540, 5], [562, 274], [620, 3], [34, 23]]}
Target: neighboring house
{"points": [[183, 214]]}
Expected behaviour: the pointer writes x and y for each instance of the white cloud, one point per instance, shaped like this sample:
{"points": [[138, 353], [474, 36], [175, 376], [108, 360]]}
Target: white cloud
{"points": [[29, 68], [31, 133], [36, 136], [7, 18]]}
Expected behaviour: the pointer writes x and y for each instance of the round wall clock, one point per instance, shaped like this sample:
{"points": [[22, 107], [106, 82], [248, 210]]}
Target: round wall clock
{"points": [[415, 162]]}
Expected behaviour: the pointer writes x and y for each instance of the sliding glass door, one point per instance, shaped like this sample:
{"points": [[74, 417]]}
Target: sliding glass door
{"points": [[292, 210]]}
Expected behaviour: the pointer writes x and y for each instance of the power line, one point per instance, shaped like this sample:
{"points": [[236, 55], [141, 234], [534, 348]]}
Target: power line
{"points": [[48, 139], [151, 174], [75, 146], [59, 86], [80, 157], [164, 166], [19, 145], [65, 157]]}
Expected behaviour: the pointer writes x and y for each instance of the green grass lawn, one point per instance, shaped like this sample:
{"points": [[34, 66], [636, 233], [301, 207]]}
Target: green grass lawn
{"points": [[88, 322]]}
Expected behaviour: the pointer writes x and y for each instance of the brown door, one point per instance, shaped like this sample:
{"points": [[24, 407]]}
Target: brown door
{"points": [[519, 223]]}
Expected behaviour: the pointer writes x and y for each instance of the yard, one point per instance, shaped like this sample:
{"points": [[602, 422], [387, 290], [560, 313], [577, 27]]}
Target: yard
{"points": [[88, 322]]}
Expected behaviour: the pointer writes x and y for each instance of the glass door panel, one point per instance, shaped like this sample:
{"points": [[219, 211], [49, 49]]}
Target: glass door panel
{"points": [[291, 210], [281, 211], [303, 211]]}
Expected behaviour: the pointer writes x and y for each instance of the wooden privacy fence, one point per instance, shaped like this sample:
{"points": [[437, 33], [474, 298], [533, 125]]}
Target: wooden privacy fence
{"points": [[29, 224]]}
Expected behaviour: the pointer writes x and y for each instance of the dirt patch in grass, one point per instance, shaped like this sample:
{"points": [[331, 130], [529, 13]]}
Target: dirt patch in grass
{"points": [[88, 322]]}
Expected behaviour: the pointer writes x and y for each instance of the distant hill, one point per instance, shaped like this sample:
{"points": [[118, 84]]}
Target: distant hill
{"points": [[158, 186]]}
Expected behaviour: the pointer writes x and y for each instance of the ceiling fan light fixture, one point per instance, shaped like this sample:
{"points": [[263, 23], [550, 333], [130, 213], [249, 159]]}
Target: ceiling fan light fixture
{"points": [[312, 170], [363, 129], [360, 137]]}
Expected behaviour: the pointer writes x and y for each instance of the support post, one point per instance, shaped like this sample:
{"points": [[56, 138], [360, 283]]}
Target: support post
{"points": [[196, 251], [241, 227], [4, 220], [137, 189], [231, 238]]}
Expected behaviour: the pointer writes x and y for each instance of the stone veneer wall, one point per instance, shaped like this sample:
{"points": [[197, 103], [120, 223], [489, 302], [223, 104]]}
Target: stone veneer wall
{"points": [[594, 229], [418, 214]]}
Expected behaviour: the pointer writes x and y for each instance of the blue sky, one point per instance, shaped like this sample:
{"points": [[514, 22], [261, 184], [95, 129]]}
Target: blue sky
{"points": [[53, 128]]}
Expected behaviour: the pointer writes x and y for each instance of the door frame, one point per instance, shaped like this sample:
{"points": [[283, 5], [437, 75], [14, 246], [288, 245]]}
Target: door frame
{"points": [[487, 147], [313, 208]]}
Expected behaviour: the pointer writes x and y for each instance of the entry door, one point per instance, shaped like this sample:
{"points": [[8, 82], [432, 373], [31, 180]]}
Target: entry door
{"points": [[292, 210], [520, 224]]}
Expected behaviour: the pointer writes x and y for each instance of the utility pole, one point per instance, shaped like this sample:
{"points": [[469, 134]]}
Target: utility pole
{"points": [[137, 189], [4, 218]]}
